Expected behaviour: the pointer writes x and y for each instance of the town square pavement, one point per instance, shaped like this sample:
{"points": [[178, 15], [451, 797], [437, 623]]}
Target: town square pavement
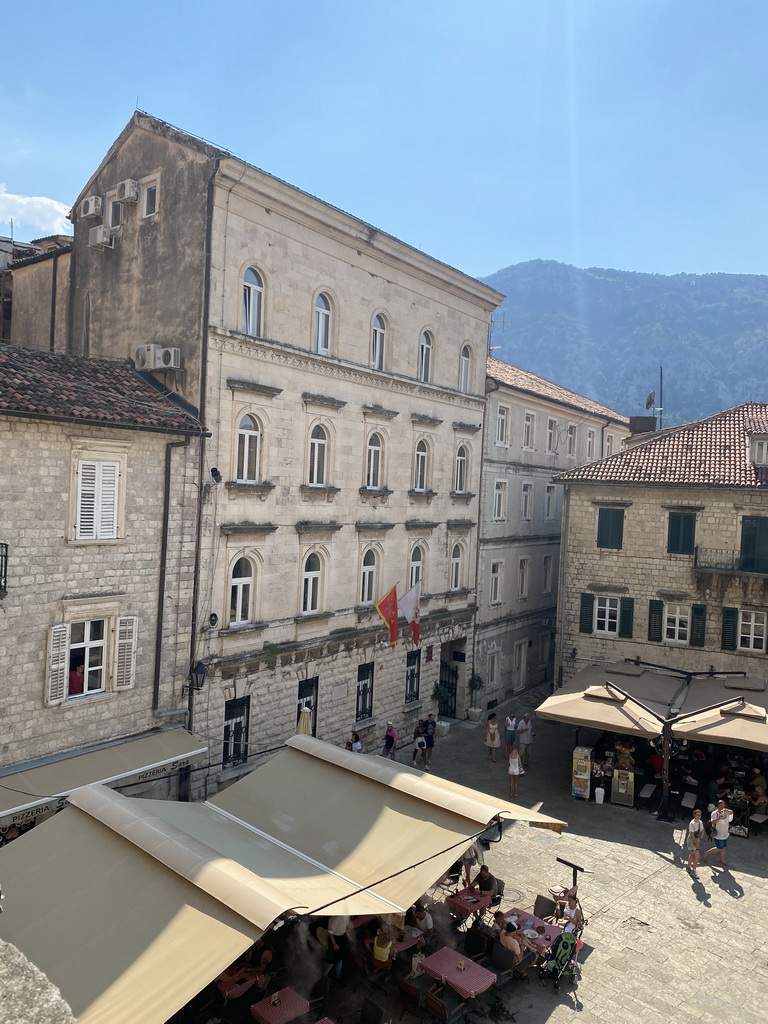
{"points": [[661, 945]]}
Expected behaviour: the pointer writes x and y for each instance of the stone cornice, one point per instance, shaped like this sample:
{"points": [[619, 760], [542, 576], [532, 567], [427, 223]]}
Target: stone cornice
{"points": [[467, 428], [424, 420], [311, 399], [316, 526], [379, 412], [237, 384], [245, 527], [363, 527]]}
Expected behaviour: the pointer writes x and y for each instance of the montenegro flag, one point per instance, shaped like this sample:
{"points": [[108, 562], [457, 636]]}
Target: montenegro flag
{"points": [[387, 609]]}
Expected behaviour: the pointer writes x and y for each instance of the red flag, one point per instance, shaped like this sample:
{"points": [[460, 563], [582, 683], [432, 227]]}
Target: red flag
{"points": [[409, 609], [387, 609]]}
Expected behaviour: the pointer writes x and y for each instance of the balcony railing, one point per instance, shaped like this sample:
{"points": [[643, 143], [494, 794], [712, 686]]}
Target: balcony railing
{"points": [[725, 560]]}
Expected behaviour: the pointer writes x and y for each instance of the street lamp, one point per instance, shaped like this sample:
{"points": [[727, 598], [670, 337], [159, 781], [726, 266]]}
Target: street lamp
{"points": [[196, 678]]}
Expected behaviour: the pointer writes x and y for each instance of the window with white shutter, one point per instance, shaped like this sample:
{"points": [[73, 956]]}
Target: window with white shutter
{"points": [[97, 500], [58, 663], [125, 652]]}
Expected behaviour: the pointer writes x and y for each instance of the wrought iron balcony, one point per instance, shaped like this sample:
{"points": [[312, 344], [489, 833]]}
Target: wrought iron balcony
{"points": [[724, 560]]}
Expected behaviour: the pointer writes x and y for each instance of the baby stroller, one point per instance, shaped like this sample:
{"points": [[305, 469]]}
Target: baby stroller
{"points": [[562, 962]]}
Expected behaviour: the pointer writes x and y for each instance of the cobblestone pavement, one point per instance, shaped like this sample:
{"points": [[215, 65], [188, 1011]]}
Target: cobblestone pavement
{"points": [[661, 945]]}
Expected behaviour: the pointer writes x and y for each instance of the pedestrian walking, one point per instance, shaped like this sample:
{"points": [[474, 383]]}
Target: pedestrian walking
{"points": [[469, 859], [492, 740], [390, 742], [510, 724], [430, 731], [695, 834], [419, 744], [722, 816], [514, 770], [357, 746], [525, 738]]}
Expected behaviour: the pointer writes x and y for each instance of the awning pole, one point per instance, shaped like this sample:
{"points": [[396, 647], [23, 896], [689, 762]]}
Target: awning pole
{"points": [[664, 814]]}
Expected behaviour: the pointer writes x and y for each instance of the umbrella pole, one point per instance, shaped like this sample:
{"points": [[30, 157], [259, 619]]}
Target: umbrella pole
{"points": [[664, 814]]}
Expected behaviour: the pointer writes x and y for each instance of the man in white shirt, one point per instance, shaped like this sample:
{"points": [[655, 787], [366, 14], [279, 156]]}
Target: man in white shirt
{"points": [[524, 738], [721, 818]]}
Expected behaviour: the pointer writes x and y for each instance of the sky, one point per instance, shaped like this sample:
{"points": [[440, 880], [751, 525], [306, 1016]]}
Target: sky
{"points": [[613, 133]]}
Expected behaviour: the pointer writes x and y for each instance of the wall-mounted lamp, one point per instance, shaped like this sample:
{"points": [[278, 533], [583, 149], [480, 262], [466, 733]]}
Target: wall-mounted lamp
{"points": [[196, 678], [213, 620], [216, 475], [574, 652]]}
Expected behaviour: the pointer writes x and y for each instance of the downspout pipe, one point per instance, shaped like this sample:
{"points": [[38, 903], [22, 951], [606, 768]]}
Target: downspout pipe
{"points": [[490, 386], [561, 583], [54, 274]]}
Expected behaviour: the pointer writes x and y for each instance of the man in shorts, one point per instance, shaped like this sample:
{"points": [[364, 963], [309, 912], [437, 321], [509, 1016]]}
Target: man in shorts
{"points": [[430, 728], [721, 818]]}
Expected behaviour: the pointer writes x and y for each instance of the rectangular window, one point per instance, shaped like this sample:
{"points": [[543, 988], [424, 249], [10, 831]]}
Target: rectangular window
{"points": [[590, 444], [571, 441], [526, 501], [677, 623], [546, 583], [544, 648], [549, 503], [760, 451], [236, 718], [609, 444], [97, 500], [495, 593], [502, 425], [529, 430], [499, 501], [551, 435], [754, 544], [607, 615], [150, 200], [412, 676], [364, 700], [752, 631], [681, 533], [610, 528], [115, 214], [91, 656], [523, 577], [492, 669], [307, 698]]}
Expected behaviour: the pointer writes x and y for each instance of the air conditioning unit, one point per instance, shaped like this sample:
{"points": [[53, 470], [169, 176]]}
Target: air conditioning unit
{"points": [[92, 206], [101, 237], [157, 357], [128, 191]]}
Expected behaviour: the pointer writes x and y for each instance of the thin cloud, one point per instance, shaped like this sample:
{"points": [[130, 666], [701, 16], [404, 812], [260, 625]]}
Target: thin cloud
{"points": [[48, 216]]}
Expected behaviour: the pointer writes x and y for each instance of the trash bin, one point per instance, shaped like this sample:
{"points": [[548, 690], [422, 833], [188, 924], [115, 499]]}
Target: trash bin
{"points": [[599, 794]]}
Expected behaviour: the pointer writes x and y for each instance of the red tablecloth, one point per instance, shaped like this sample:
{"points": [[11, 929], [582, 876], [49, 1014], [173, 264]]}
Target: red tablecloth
{"points": [[405, 943], [469, 983], [542, 943], [291, 1006], [232, 985], [462, 903]]}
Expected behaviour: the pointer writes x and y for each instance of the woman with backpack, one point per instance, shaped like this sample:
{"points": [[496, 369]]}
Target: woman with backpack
{"points": [[695, 834]]}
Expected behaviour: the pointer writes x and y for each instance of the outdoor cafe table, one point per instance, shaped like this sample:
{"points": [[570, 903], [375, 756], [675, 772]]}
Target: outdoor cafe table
{"points": [[291, 1006], [468, 902], [444, 966], [405, 943], [541, 942]]}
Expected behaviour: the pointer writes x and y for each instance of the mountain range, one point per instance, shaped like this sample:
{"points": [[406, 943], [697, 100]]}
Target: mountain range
{"points": [[606, 333]]}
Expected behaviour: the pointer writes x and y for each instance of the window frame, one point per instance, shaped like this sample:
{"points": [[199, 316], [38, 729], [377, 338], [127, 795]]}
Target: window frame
{"points": [[151, 186], [457, 566], [118, 646], [526, 501], [523, 577], [248, 450], [752, 632], [317, 470], [759, 450], [610, 528], [529, 431], [421, 466], [550, 502], [547, 573], [465, 367], [367, 592], [373, 461], [311, 584], [608, 445], [364, 692], [426, 347], [502, 425], [461, 466], [378, 341], [500, 488], [99, 481], [412, 676], [322, 321], [591, 437], [416, 566], [570, 441], [551, 436], [237, 711], [677, 621], [606, 611], [496, 577], [241, 593], [253, 298], [681, 532]]}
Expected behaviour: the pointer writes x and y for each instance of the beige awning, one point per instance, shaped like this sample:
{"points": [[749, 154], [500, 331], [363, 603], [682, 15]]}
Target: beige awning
{"points": [[602, 706], [124, 938], [34, 791], [739, 724], [154, 898]]}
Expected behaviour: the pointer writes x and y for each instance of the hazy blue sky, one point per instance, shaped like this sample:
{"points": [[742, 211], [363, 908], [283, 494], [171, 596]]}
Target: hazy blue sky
{"points": [[613, 133]]}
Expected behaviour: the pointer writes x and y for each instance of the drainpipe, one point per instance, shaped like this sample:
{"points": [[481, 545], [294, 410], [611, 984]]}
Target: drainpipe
{"points": [[490, 387], [562, 574], [52, 335], [160, 618]]}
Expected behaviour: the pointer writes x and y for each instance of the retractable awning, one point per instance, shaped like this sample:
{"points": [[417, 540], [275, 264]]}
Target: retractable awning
{"points": [[43, 789], [174, 891], [601, 707]]}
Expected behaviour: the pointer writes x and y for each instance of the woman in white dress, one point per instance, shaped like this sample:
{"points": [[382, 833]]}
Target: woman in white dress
{"points": [[514, 771], [492, 738]]}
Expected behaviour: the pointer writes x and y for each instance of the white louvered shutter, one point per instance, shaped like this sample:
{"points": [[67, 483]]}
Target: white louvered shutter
{"points": [[85, 527], [125, 652], [107, 504], [58, 663]]}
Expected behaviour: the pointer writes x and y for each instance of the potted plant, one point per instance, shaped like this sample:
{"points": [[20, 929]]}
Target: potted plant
{"points": [[475, 683]]}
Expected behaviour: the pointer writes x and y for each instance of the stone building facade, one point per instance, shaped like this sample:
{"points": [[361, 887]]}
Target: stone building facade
{"points": [[533, 429], [96, 560], [340, 374], [665, 554]]}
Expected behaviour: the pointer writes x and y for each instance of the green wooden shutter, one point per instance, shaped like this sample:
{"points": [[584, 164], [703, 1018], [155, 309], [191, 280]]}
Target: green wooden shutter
{"points": [[655, 620], [626, 617], [729, 634], [585, 613], [698, 625]]}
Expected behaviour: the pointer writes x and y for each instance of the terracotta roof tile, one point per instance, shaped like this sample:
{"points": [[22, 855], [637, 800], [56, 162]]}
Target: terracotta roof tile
{"points": [[714, 451], [89, 390], [522, 380]]}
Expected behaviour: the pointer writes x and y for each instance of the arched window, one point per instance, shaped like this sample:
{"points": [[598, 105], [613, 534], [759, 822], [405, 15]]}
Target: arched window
{"points": [[253, 297], [420, 467], [318, 449], [377, 343], [248, 450], [417, 566], [310, 585], [322, 335], [464, 366], [456, 567], [368, 578], [373, 462], [460, 480], [425, 356], [240, 592]]}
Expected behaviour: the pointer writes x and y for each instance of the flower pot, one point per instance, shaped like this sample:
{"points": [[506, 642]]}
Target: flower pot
{"points": [[473, 714]]}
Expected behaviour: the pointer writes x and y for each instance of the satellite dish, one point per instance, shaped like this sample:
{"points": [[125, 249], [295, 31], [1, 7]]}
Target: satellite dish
{"points": [[650, 400]]}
